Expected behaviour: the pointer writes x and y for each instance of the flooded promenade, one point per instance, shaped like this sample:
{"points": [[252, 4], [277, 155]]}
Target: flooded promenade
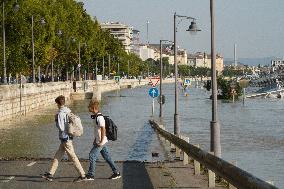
{"points": [[251, 134]]}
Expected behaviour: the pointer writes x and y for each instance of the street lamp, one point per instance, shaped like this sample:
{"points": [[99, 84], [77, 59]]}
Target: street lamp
{"points": [[59, 34], [192, 29], [161, 76], [79, 49], [42, 21], [16, 8], [215, 144]]}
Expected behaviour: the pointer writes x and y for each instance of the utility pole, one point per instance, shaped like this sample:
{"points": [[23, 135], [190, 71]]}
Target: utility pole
{"points": [[235, 55], [148, 32]]}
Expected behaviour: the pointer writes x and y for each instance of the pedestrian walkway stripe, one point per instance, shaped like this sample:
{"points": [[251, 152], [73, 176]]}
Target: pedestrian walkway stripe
{"points": [[31, 164], [7, 179]]}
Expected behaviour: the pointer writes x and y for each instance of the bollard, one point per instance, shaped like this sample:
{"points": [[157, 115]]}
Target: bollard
{"points": [[211, 177], [97, 93], [160, 136], [173, 148], [230, 185], [178, 151], [196, 165], [185, 156]]}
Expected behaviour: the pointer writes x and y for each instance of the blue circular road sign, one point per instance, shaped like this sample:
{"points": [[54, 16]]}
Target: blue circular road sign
{"points": [[153, 92]]}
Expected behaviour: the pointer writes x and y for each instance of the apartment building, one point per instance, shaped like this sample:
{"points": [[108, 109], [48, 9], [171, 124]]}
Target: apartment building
{"points": [[122, 32]]}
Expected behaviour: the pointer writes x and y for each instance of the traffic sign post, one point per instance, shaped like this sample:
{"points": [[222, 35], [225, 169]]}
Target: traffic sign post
{"points": [[117, 79], [153, 92], [187, 82], [154, 81]]}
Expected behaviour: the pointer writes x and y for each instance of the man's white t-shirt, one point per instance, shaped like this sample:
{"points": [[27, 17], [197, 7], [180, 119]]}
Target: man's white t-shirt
{"points": [[98, 127]]}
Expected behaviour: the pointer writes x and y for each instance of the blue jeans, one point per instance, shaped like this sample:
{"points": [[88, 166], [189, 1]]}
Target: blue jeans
{"points": [[93, 156]]}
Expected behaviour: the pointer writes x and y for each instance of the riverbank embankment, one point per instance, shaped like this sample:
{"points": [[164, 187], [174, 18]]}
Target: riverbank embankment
{"points": [[19, 99]]}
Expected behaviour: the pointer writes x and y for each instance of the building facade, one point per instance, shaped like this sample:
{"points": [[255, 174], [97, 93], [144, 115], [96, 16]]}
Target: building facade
{"points": [[277, 62], [200, 59], [122, 32], [145, 52]]}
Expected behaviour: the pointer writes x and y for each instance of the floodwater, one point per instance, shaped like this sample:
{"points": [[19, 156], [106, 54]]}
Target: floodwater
{"points": [[252, 135], [35, 136]]}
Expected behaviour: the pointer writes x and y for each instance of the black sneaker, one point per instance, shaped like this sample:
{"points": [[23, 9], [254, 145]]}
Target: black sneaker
{"points": [[89, 177], [47, 176], [79, 179], [115, 176]]}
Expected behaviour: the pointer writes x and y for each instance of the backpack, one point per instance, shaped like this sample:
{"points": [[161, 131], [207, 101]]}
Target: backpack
{"points": [[111, 128], [75, 127]]}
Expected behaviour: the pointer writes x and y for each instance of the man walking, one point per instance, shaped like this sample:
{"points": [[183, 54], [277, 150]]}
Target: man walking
{"points": [[66, 144], [99, 143]]}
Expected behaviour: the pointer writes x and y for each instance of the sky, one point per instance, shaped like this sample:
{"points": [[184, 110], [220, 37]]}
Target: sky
{"points": [[255, 26]]}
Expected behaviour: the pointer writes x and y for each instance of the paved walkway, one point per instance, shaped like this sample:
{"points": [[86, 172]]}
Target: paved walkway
{"points": [[135, 175]]}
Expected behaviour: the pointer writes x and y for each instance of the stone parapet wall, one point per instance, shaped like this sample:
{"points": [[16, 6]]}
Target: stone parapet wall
{"points": [[16, 100]]}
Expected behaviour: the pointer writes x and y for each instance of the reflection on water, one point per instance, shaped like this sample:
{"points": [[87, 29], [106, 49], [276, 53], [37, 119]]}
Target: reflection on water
{"points": [[253, 134]]}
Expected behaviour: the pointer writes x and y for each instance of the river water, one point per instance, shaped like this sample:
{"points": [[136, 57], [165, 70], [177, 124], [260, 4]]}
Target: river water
{"points": [[252, 135]]}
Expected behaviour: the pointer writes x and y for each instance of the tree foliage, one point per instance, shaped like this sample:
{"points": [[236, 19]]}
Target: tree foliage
{"points": [[67, 28]]}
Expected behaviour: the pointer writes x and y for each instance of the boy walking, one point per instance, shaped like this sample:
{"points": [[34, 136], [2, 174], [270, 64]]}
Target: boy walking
{"points": [[66, 145], [99, 143]]}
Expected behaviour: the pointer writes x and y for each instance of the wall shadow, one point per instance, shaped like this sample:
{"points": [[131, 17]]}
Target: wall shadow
{"points": [[135, 176]]}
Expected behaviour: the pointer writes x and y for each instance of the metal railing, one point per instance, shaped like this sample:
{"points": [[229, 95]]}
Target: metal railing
{"points": [[232, 174]]}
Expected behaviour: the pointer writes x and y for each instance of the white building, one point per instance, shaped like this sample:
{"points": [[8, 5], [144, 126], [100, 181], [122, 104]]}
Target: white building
{"points": [[181, 57], [277, 62], [122, 32], [200, 59], [145, 52], [167, 52]]}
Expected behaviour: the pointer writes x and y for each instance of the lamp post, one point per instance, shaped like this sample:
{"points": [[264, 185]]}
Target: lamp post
{"points": [[192, 28], [42, 21], [16, 8], [96, 70], [79, 54], [4, 46], [79, 64], [128, 69], [215, 144], [103, 67], [108, 66], [161, 76]]}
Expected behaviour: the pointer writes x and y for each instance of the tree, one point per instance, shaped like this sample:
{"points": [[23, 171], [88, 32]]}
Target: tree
{"points": [[66, 24]]}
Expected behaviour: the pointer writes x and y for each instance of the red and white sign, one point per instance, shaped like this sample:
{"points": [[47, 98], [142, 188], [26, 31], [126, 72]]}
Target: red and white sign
{"points": [[154, 81]]}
